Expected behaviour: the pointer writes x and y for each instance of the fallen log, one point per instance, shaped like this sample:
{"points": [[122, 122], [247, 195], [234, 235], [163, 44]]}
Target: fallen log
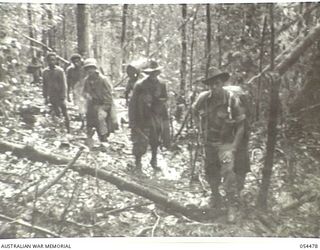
{"points": [[26, 224], [164, 202]]}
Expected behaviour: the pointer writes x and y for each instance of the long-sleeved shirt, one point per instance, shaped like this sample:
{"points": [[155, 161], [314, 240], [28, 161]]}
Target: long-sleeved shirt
{"points": [[98, 89], [148, 102], [74, 75], [54, 83]]}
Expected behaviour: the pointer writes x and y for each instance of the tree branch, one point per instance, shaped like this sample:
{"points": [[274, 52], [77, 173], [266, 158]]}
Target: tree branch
{"points": [[44, 189], [41, 44], [292, 57]]}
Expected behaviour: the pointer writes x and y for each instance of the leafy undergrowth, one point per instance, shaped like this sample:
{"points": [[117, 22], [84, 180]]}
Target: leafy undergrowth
{"points": [[83, 206]]}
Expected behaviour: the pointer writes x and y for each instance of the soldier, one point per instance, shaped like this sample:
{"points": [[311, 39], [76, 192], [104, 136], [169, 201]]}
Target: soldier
{"points": [[74, 73], [75, 81], [133, 72], [55, 88], [98, 93], [133, 75], [148, 116], [34, 68], [224, 130]]}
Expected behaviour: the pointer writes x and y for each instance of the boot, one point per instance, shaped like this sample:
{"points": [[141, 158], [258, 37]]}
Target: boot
{"points": [[233, 208], [216, 201], [138, 164], [67, 123], [154, 164], [231, 214], [104, 138]]}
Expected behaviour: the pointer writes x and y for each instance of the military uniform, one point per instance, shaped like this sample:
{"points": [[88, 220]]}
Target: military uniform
{"points": [[55, 90], [224, 131], [74, 75], [148, 118], [99, 104], [35, 69], [133, 71]]}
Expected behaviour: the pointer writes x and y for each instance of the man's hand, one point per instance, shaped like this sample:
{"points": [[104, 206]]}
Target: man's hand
{"points": [[226, 153]]}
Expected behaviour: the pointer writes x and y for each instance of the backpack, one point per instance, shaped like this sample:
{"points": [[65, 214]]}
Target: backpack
{"points": [[238, 96]]}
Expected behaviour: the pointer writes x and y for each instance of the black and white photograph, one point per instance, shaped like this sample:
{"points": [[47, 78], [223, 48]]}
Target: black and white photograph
{"points": [[159, 120]]}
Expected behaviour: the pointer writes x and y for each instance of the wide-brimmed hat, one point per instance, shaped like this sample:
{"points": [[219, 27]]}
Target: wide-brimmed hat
{"points": [[152, 67], [90, 62], [215, 74], [136, 66], [75, 56]]}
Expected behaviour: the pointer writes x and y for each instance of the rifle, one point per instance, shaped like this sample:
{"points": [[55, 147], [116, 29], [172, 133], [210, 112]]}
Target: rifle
{"points": [[193, 160]]}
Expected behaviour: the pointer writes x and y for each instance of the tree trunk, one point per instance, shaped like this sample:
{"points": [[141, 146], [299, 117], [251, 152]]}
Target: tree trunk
{"points": [[192, 45], [123, 35], [83, 29], [219, 46], [44, 38], [149, 37], [272, 125], [183, 66], [208, 42], [165, 202], [258, 97], [95, 39], [132, 33], [31, 34], [64, 33], [192, 49], [52, 30]]}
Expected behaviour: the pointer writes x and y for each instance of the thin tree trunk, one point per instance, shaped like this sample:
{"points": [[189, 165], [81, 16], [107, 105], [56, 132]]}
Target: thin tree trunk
{"points": [[219, 45], [64, 33], [31, 34], [263, 33], [83, 29], [191, 60], [272, 125], [44, 38], [132, 47], [208, 42], [51, 32], [123, 35], [192, 49], [149, 36], [95, 40], [183, 66]]}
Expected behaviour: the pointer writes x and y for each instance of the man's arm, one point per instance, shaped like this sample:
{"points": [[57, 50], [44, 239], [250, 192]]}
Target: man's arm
{"points": [[133, 107], [164, 95], [63, 85], [106, 93], [69, 80], [240, 120]]}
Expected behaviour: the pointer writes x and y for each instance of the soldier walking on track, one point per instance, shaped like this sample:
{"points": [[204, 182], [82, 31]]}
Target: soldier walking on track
{"points": [[148, 116], [55, 88], [224, 130], [74, 73], [98, 93]]}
